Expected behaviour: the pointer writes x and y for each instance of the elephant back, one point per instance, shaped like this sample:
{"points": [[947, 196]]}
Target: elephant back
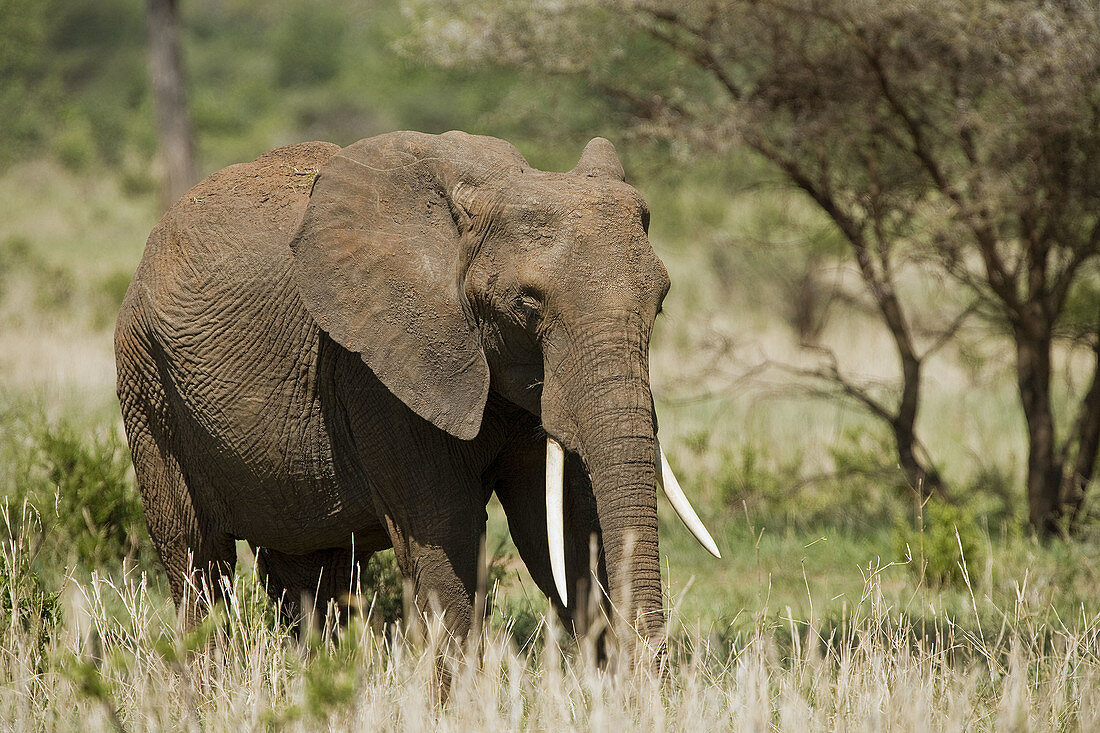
{"points": [[232, 223]]}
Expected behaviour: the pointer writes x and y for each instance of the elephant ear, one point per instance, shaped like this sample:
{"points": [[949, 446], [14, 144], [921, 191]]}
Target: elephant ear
{"points": [[599, 160], [379, 261]]}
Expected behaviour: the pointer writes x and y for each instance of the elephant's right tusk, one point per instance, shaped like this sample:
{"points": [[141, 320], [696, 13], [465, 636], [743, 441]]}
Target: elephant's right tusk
{"points": [[555, 515], [680, 503]]}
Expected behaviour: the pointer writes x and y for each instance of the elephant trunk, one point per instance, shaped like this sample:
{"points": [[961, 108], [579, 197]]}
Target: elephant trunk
{"points": [[603, 410], [621, 465]]}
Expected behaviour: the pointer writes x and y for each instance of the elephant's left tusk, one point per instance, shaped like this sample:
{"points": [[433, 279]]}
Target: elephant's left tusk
{"points": [[680, 503], [555, 515]]}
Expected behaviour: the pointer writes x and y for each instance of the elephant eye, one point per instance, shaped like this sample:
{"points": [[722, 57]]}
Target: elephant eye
{"points": [[528, 304]]}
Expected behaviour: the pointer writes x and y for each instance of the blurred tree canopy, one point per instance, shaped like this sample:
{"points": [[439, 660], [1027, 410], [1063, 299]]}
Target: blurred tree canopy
{"points": [[960, 136], [73, 76]]}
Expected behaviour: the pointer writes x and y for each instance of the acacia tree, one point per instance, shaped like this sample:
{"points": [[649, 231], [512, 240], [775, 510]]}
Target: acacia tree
{"points": [[960, 134]]}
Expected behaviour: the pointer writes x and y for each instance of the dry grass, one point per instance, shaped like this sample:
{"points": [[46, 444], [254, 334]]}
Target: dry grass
{"points": [[115, 659]]}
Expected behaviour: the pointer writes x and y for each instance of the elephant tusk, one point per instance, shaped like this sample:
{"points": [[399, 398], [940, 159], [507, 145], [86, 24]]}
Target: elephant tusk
{"points": [[667, 480], [555, 515]]}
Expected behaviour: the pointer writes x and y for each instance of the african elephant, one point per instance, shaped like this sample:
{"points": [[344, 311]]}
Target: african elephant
{"points": [[332, 350]]}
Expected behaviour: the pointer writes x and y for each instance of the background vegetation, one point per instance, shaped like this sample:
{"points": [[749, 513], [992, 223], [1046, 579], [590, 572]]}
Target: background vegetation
{"points": [[850, 595]]}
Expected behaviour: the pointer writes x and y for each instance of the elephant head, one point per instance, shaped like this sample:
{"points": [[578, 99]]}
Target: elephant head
{"points": [[454, 268]]}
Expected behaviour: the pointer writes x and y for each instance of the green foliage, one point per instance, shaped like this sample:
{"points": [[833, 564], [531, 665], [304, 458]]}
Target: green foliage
{"points": [[1082, 305], [867, 457], [863, 487], [45, 287], [331, 684], [750, 476], [75, 143], [114, 287], [382, 578], [25, 603], [74, 81], [79, 481], [97, 505], [107, 297], [29, 80], [52, 286], [15, 252], [521, 619], [993, 494], [257, 77], [308, 48], [946, 545]]}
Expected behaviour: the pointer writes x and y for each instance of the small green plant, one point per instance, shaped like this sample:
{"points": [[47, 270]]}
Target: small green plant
{"points": [[75, 143], [991, 494], [749, 475], [53, 286], [108, 297], [382, 578], [308, 50], [97, 511], [944, 541], [697, 441], [521, 619]]}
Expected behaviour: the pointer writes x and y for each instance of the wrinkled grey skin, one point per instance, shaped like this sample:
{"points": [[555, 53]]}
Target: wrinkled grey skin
{"points": [[362, 360]]}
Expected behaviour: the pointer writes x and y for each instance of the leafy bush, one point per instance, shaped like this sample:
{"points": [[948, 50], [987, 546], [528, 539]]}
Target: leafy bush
{"points": [[79, 481], [991, 493], [53, 286], [863, 487], [97, 505], [75, 143], [108, 297], [382, 577], [308, 49], [945, 541], [750, 475]]}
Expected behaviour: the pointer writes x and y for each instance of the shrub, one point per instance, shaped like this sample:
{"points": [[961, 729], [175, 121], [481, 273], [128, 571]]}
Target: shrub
{"points": [[946, 537], [75, 143], [863, 488], [97, 505], [308, 49], [109, 296], [382, 577], [79, 481], [750, 475], [53, 286]]}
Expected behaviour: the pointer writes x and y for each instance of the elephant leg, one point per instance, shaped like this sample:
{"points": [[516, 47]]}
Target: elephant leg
{"points": [[198, 558], [437, 543], [519, 479], [315, 579]]}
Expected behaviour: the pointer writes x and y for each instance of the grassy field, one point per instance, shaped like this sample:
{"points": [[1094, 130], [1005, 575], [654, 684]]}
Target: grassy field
{"points": [[841, 603]]}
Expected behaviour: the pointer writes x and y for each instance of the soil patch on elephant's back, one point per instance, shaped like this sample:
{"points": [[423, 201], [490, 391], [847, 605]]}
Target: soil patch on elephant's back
{"points": [[280, 179]]}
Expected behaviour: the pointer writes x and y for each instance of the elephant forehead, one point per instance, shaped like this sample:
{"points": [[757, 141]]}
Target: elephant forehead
{"points": [[562, 200], [598, 262]]}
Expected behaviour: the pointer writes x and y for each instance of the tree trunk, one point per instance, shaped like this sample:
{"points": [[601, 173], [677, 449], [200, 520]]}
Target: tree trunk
{"points": [[176, 139], [1087, 437], [1044, 465], [926, 479]]}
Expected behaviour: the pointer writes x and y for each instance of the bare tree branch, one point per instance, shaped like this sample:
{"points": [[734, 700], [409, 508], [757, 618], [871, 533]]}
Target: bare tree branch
{"points": [[948, 334]]}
